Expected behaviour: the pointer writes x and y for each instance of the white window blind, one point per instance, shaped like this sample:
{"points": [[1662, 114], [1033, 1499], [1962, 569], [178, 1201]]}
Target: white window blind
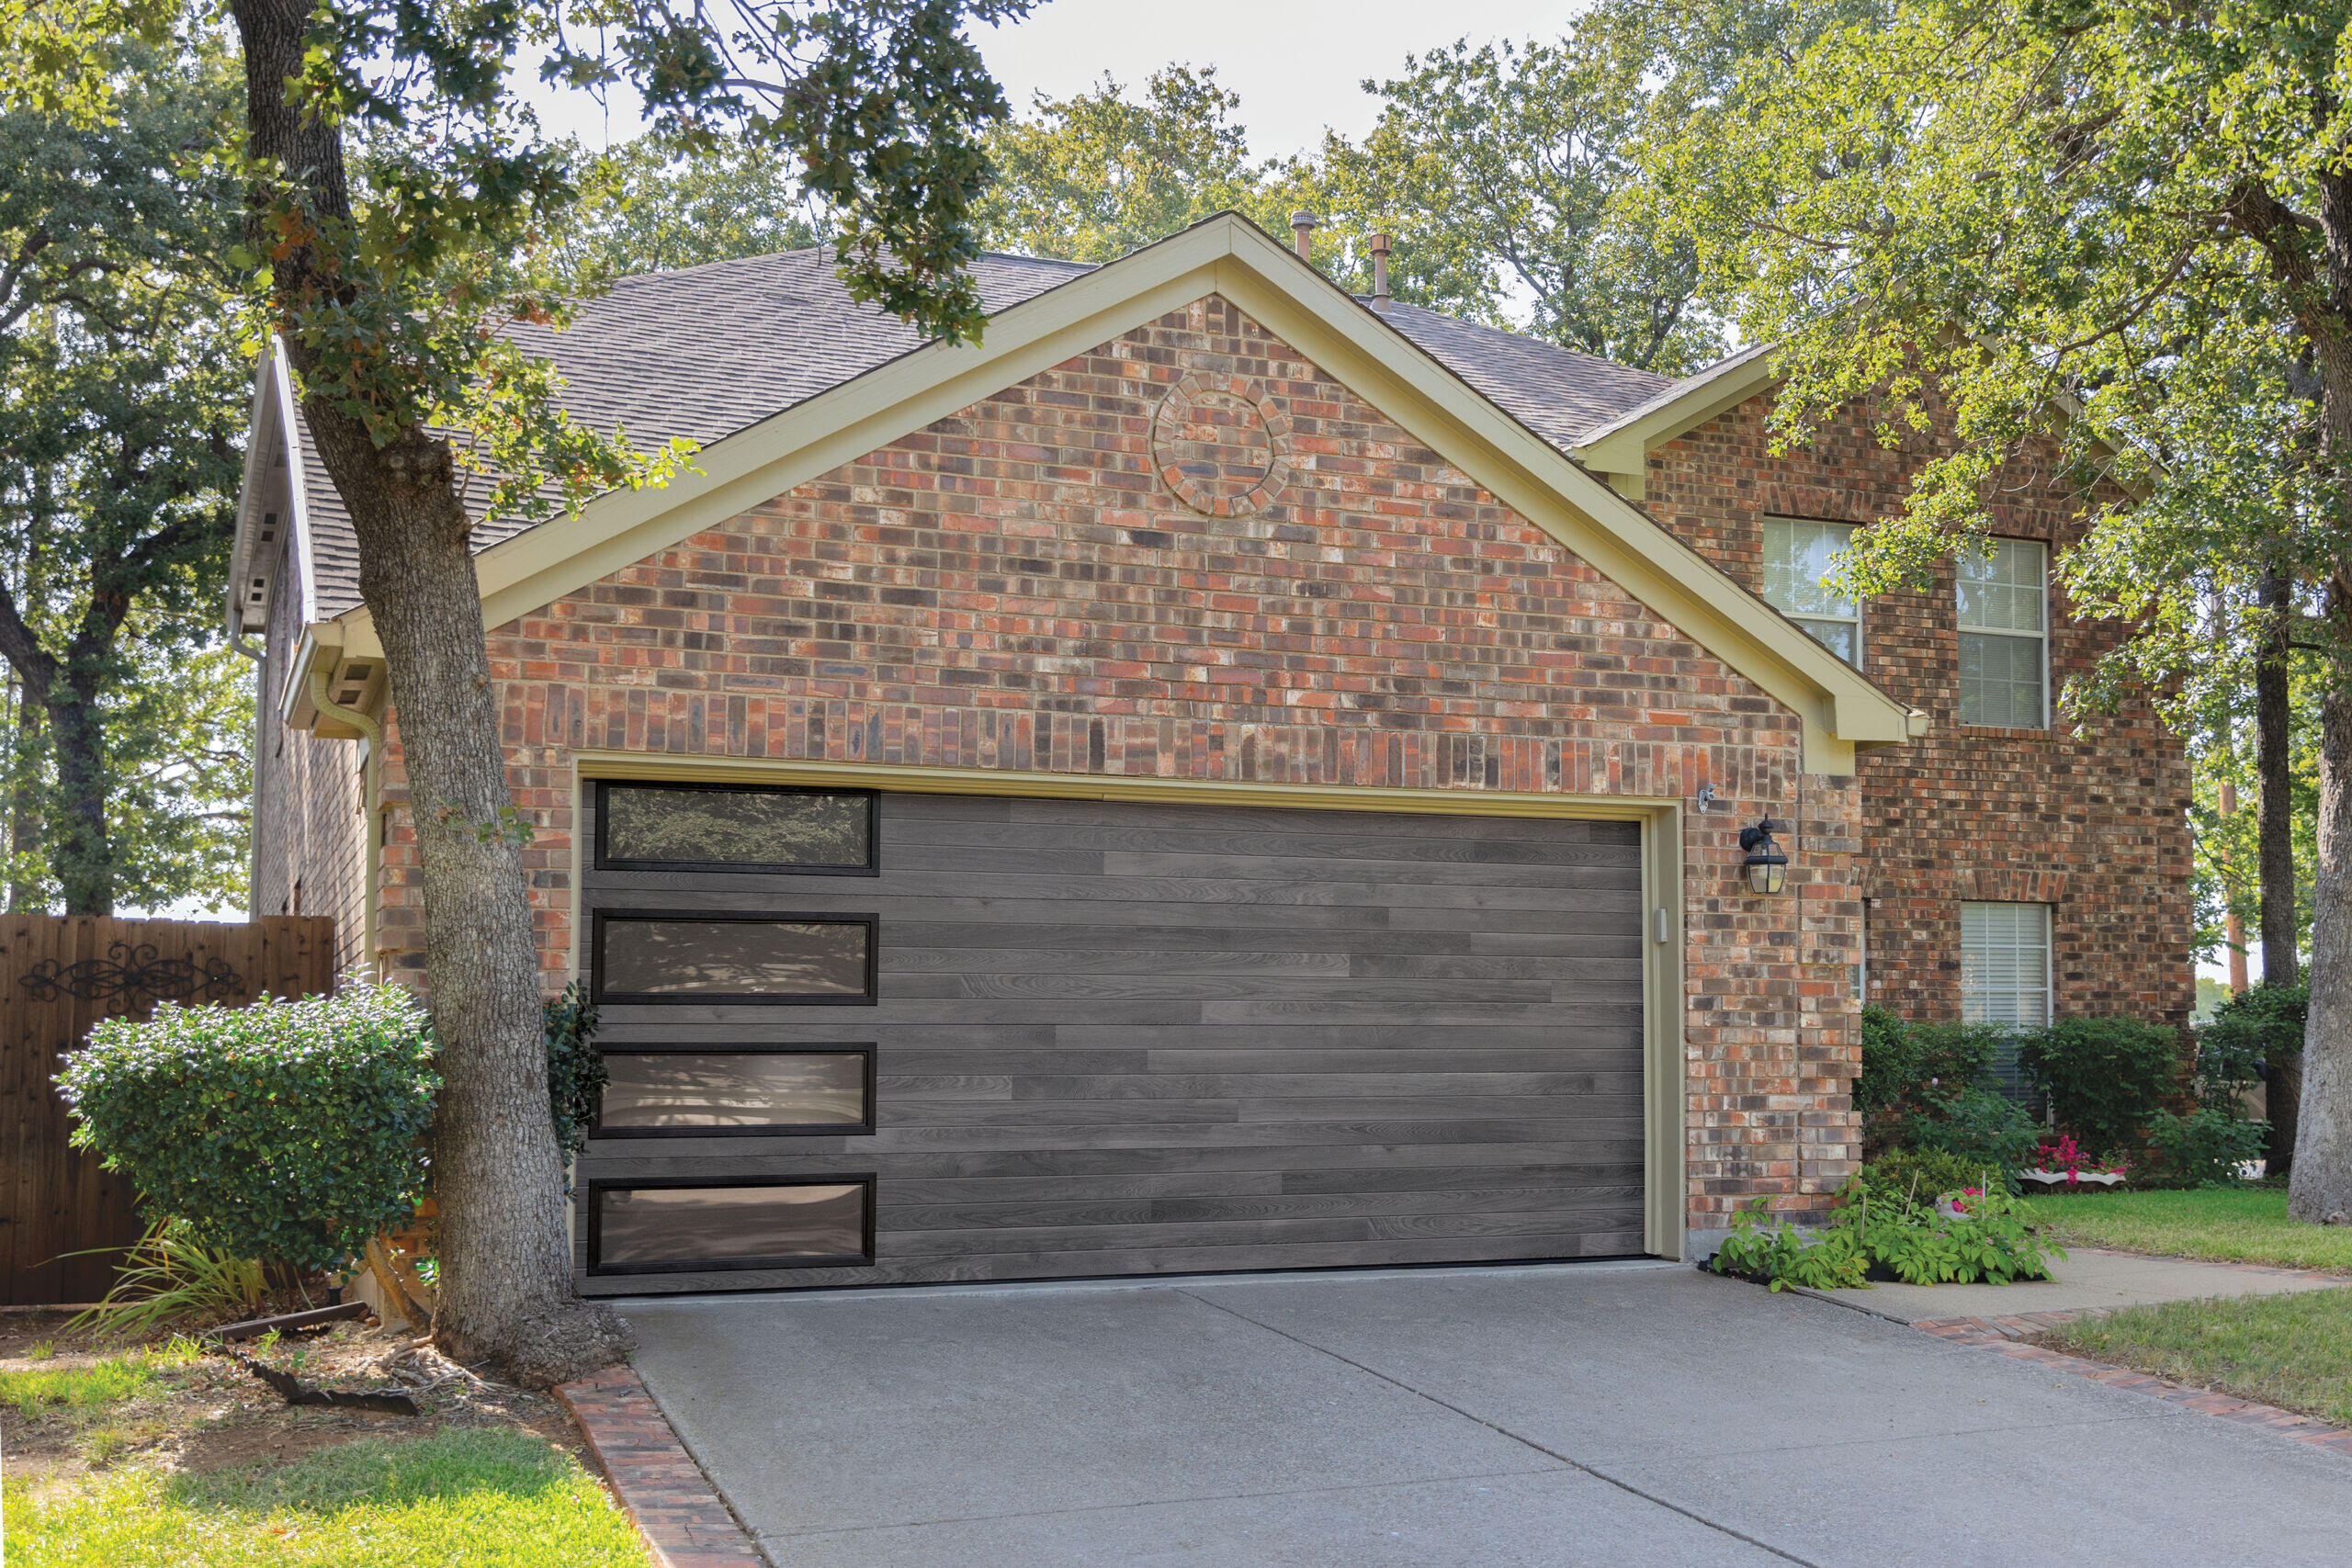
{"points": [[1796, 562], [2005, 965], [2003, 659]]}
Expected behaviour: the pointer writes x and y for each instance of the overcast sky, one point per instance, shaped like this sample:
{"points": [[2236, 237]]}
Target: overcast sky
{"points": [[1299, 65]]}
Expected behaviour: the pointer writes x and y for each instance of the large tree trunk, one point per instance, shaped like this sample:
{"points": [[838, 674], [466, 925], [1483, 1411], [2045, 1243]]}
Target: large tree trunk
{"points": [[505, 1287], [80, 854], [24, 804], [2320, 1189], [2275, 859]]}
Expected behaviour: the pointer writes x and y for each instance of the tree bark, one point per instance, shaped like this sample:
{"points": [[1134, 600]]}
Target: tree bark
{"points": [[2321, 1187], [506, 1291], [81, 852], [24, 803], [2275, 858]]}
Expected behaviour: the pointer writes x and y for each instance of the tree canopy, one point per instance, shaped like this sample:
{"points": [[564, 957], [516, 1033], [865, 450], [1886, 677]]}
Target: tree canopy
{"points": [[122, 398], [2121, 231]]}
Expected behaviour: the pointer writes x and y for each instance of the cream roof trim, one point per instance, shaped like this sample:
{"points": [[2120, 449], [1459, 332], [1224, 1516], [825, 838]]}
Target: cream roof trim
{"points": [[1620, 447], [1226, 256]]}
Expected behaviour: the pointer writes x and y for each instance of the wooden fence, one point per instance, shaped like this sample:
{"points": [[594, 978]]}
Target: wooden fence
{"points": [[60, 975]]}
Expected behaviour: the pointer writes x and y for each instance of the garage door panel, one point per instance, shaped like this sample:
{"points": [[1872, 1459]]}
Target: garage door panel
{"points": [[989, 1210], [1237, 986], [1149, 1260], [1113, 1037], [1305, 1165], [1401, 1080], [1492, 845]]}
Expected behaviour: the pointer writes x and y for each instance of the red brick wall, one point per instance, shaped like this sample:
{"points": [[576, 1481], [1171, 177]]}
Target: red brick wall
{"points": [[1017, 587], [2093, 826]]}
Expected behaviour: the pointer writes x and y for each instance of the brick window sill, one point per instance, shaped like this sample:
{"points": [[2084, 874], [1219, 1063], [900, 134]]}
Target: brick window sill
{"points": [[1994, 732]]}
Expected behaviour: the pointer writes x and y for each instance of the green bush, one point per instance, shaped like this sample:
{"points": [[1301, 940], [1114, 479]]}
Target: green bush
{"points": [[2104, 1078], [576, 1072], [2260, 1026], [1916, 1177], [2203, 1148], [1989, 1241], [1982, 1128], [290, 1132], [1905, 1064]]}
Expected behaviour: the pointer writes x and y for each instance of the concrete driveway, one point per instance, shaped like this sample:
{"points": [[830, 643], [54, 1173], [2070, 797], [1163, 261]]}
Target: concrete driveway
{"points": [[1607, 1413]]}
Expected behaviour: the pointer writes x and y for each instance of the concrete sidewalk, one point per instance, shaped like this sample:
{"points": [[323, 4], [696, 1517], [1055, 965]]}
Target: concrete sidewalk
{"points": [[1616, 1415], [2087, 1280]]}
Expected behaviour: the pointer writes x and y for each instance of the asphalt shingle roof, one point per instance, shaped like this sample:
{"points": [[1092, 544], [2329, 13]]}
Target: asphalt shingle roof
{"points": [[706, 351]]}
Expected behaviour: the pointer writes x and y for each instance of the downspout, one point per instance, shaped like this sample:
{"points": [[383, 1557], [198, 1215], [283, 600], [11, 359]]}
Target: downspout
{"points": [[371, 802]]}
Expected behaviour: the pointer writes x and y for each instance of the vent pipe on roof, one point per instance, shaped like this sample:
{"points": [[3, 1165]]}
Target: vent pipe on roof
{"points": [[1302, 233], [1380, 272]]}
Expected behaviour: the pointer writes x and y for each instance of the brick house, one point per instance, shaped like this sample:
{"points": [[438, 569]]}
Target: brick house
{"points": [[1222, 775]]}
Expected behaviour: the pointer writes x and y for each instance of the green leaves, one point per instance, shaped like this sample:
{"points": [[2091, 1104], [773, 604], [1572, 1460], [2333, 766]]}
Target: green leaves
{"points": [[287, 1130]]}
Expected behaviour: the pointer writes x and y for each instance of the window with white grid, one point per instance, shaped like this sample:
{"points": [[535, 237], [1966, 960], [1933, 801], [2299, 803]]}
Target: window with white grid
{"points": [[2003, 603], [2005, 964], [1796, 565]]}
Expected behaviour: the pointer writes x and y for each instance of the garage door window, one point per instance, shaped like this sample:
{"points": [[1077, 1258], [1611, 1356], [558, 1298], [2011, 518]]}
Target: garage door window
{"points": [[659, 956], [763, 1092], [682, 1225], [726, 827]]}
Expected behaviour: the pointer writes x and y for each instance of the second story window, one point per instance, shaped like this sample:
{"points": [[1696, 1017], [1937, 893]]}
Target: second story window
{"points": [[1796, 565], [2004, 635]]}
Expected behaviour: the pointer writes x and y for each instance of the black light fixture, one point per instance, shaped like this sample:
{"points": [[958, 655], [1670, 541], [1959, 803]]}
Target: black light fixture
{"points": [[1767, 865]]}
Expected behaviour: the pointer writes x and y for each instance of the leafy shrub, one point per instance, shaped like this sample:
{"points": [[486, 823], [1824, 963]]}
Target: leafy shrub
{"points": [[2253, 1029], [290, 1131], [1906, 1065], [1982, 1128], [1781, 1255], [576, 1072], [1916, 1177], [2104, 1078], [1911, 1241], [2203, 1148]]}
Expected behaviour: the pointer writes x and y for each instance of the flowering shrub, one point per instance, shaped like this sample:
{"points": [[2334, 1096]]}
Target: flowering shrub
{"points": [[2067, 1156]]}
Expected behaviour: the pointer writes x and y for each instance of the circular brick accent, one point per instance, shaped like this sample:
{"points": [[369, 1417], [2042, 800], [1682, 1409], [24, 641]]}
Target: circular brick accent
{"points": [[1221, 444]]}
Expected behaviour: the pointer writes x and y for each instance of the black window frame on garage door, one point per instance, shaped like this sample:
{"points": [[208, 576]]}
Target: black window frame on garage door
{"points": [[915, 1076]]}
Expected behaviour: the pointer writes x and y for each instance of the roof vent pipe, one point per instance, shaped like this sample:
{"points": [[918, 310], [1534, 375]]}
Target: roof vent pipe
{"points": [[1380, 272], [1302, 233]]}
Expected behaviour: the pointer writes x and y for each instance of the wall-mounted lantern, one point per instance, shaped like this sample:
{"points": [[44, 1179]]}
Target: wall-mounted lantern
{"points": [[1767, 865]]}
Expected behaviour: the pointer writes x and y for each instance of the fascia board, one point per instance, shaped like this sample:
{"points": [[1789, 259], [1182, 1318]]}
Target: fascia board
{"points": [[1229, 256], [1625, 447], [259, 440]]}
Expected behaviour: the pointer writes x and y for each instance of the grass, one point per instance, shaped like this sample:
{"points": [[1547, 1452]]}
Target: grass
{"points": [[472, 1498], [2291, 1351], [84, 1391], [2239, 1225]]}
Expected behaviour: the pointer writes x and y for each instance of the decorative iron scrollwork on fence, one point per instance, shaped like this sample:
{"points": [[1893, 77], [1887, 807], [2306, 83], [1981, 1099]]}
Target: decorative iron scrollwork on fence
{"points": [[130, 973]]}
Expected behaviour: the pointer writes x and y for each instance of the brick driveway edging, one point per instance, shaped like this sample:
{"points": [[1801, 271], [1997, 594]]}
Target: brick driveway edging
{"points": [[2012, 1336], [682, 1519]]}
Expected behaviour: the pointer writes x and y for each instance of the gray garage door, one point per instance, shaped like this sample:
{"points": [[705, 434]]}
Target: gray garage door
{"points": [[860, 1039]]}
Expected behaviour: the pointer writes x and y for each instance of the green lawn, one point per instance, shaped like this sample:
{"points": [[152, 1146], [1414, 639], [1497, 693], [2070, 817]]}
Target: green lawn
{"points": [[84, 1389], [2244, 1224], [482, 1498], [2291, 1351]]}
